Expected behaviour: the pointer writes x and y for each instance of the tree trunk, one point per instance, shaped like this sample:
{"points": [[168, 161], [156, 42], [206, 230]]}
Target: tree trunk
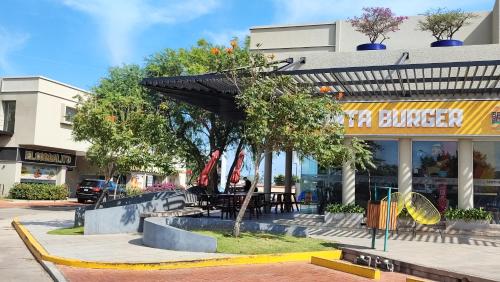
{"points": [[117, 182], [248, 197], [238, 150]]}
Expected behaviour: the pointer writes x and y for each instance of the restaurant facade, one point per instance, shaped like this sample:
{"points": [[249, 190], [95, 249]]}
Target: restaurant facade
{"points": [[430, 115]]}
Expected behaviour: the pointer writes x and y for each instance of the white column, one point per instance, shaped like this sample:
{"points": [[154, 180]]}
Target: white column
{"points": [[465, 174], [405, 166], [348, 181], [61, 176], [268, 173]]}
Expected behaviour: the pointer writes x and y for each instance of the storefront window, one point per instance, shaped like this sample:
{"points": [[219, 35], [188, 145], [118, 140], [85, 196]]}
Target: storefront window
{"points": [[325, 182], [435, 170], [385, 157], [487, 176], [39, 173]]}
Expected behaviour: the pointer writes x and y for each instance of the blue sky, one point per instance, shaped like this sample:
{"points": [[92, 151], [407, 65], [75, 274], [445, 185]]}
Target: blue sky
{"points": [[75, 41]]}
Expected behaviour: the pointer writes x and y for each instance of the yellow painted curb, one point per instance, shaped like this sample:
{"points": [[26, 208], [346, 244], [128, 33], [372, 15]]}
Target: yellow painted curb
{"points": [[343, 266], [41, 254], [416, 279]]}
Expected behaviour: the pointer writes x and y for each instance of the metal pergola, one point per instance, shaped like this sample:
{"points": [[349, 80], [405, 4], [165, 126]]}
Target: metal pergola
{"points": [[216, 93]]}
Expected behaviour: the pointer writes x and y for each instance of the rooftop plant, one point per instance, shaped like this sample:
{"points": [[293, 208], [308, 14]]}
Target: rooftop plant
{"points": [[377, 22], [443, 23]]}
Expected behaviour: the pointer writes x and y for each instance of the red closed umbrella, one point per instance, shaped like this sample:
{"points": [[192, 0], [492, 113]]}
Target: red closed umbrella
{"points": [[203, 178], [235, 177]]}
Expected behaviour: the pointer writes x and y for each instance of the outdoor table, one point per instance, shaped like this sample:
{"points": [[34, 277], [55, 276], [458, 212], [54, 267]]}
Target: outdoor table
{"points": [[231, 203], [284, 200]]}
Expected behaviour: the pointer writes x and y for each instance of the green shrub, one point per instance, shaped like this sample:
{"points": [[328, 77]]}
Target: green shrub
{"points": [[280, 179], [132, 191], [467, 214], [38, 191], [349, 208]]}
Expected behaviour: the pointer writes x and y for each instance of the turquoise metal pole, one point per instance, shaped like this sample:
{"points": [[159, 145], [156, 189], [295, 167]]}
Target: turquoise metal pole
{"points": [[388, 218]]}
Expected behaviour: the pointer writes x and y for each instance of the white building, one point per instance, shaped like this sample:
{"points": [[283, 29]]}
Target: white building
{"points": [[36, 143]]}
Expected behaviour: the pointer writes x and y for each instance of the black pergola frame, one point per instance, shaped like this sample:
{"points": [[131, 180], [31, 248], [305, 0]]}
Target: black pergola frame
{"points": [[216, 93]]}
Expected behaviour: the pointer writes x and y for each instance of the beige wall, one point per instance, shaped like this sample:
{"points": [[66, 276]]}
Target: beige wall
{"points": [[341, 37], [409, 37], [10, 173], [39, 111], [24, 127], [495, 21]]}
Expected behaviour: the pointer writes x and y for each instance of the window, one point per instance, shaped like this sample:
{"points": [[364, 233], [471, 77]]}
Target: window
{"points": [[386, 160], [435, 171], [9, 115], [487, 177], [68, 114]]}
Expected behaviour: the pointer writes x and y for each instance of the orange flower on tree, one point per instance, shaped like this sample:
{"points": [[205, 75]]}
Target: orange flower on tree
{"points": [[325, 89], [111, 118], [234, 43], [215, 51], [229, 50]]}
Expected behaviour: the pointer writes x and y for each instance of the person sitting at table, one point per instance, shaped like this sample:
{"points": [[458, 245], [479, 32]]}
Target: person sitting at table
{"points": [[248, 185]]}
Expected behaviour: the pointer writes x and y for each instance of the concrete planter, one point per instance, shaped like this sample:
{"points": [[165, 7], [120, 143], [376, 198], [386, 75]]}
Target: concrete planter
{"points": [[343, 219], [467, 225]]}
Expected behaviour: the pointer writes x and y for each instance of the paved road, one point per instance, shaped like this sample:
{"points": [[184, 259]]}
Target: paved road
{"points": [[251, 273], [16, 261]]}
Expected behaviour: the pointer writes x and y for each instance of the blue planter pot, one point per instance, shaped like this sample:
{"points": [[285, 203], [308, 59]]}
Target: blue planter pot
{"points": [[447, 43], [370, 46]]}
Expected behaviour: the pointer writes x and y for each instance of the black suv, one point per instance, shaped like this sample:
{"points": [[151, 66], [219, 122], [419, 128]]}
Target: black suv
{"points": [[91, 189]]}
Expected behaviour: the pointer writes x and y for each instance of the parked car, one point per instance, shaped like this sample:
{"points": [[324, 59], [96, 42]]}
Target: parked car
{"points": [[91, 189]]}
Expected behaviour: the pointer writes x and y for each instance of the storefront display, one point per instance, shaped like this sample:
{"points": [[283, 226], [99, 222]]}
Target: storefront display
{"points": [[38, 173]]}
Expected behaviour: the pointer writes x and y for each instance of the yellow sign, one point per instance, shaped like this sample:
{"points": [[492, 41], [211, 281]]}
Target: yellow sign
{"points": [[437, 118]]}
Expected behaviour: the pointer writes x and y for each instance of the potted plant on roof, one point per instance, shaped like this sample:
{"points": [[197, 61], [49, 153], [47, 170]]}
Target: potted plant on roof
{"points": [[443, 24], [376, 22]]}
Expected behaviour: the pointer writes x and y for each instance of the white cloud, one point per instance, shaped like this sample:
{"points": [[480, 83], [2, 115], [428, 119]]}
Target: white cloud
{"points": [[223, 37], [302, 11], [9, 42], [121, 21]]}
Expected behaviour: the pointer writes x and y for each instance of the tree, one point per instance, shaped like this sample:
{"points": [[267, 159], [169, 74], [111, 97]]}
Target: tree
{"points": [[281, 115], [124, 130], [198, 132], [376, 22], [443, 23]]}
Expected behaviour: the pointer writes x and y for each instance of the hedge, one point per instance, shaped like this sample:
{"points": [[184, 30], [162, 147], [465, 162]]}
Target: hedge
{"points": [[37, 191], [340, 208]]}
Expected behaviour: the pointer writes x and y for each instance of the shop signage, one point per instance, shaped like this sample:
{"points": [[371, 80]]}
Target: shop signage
{"points": [[422, 118], [37, 156]]}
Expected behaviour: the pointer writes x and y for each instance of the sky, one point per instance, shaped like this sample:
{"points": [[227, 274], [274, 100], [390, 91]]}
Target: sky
{"points": [[76, 41]]}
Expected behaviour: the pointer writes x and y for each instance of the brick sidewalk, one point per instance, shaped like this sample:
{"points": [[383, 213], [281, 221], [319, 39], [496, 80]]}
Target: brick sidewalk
{"points": [[251, 273]]}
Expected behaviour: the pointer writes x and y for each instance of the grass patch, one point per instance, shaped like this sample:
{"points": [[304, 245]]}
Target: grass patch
{"points": [[265, 243], [67, 231]]}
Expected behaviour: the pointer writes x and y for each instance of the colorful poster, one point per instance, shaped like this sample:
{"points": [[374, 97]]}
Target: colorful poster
{"points": [[38, 172]]}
